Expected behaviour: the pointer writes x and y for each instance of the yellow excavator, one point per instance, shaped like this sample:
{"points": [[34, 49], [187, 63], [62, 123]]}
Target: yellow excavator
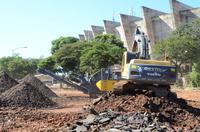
{"points": [[138, 71]]}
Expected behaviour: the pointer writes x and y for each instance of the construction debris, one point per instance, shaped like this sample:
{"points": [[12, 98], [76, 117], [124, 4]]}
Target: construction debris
{"points": [[24, 95], [141, 112], [39, 85], [111, 121], [6, 82], [116, 122]]}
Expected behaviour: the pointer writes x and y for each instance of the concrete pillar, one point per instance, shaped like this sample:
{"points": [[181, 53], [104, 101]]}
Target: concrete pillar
{"points": [[97, 30], [128, 28], [81, 37], [88, 35], [176, 7], [121, 34], [147, 15], [110, 27]]}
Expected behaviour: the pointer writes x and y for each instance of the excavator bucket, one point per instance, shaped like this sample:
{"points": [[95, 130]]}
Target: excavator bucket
{"points": [[106, 85]]}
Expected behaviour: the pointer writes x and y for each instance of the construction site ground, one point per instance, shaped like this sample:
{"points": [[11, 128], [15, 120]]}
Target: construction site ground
{"points": [[70, 108]]}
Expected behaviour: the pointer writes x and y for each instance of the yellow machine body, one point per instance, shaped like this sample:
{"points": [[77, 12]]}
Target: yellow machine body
{"points": [[133, 65], [106, 85]]}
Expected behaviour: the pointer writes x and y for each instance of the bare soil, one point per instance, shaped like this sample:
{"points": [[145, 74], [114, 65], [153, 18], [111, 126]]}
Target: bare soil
{"points": [[192, 97], [69, 100]]}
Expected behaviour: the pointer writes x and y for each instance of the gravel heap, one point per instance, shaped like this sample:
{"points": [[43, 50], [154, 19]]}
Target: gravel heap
{"points": [[38, 84], [24, 95], [6, 82], [171, 109], [140, 112], [111, 121]]}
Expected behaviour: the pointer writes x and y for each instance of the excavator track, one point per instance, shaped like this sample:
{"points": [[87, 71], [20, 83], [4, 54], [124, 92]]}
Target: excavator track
{"points": [[128, 87]]}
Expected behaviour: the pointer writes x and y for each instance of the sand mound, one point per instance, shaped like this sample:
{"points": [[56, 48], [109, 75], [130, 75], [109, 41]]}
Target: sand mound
{"points": [[24, 95], [6, 82], [38, 84]]}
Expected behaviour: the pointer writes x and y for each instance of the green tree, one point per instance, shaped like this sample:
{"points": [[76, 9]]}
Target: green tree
{"points": [[179, 49], [195, 75], [108, 39], [18, 67], [100, 56], [60, 42], [68, 56], [48, 63], [182, 46]]}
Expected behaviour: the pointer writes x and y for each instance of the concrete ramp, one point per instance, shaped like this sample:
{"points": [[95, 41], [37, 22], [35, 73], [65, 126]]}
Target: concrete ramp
{"points": [[88, 35], [148, 14], [176, 7], [110, 27], [97, 30], [128, 28], [81, 37]]}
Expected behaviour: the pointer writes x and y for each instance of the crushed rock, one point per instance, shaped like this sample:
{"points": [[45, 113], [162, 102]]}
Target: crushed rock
{"points": [[35, 82], [173, 110], [24, 95]]}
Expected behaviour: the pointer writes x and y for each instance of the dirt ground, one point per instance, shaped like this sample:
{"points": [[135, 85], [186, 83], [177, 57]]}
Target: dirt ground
{"points": [[192, 96], [70, 107], [69, 101]]}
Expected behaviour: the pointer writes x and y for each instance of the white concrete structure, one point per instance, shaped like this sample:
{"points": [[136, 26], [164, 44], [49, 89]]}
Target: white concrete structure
{"points": [[157, 25]]}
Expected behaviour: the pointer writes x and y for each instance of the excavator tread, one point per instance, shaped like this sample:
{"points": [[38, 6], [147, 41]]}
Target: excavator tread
{"points": [[128, 87]]}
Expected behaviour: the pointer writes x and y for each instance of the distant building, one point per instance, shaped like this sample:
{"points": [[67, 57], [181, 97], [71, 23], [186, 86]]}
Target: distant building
{"points": [[156, 24]]}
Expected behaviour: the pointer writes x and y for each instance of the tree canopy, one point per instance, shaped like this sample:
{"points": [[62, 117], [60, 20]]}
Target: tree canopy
{"points": [[100, 56], [182, 46], [17, 67], [108, 39], [61, 41], [103, 51], [68, 56], [195, 75], [48, 63]]}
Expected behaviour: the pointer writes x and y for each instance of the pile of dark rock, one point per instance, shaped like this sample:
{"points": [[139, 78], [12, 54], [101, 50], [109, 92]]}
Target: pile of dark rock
{"points": [[111, 121], [29, 92], [35, 82], [24, 95], [139, 112]]}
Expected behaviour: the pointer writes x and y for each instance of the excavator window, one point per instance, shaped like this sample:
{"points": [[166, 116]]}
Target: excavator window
{"points": [[130, 56]]}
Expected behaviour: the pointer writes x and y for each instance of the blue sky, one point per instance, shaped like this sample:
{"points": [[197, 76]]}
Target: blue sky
{"points": [[35, 23]]}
